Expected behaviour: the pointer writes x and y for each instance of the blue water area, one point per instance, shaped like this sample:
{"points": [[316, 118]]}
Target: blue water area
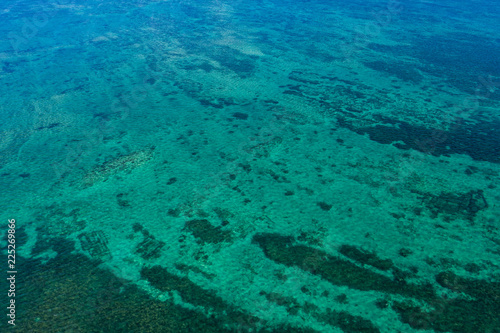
{"points": [[250, 166]]}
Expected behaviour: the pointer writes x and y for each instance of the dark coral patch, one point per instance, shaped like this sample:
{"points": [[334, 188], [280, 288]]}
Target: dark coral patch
{"points": [[461, 315], [240, 115], [479, 140], [324, 206], [190, 292], [91, 299], [366, 257], [338, 271], [206, 232], [457, 204]]}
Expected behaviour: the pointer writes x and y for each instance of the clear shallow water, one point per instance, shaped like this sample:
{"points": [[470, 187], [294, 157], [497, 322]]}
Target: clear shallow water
{"points": [[178, 166]]}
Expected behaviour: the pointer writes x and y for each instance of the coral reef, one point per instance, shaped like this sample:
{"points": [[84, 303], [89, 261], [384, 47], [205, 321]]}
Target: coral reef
{"points": [[119, 164]]}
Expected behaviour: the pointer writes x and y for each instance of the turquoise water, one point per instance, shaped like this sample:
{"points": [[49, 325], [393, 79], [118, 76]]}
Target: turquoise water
{"points": [[251, 166]]}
